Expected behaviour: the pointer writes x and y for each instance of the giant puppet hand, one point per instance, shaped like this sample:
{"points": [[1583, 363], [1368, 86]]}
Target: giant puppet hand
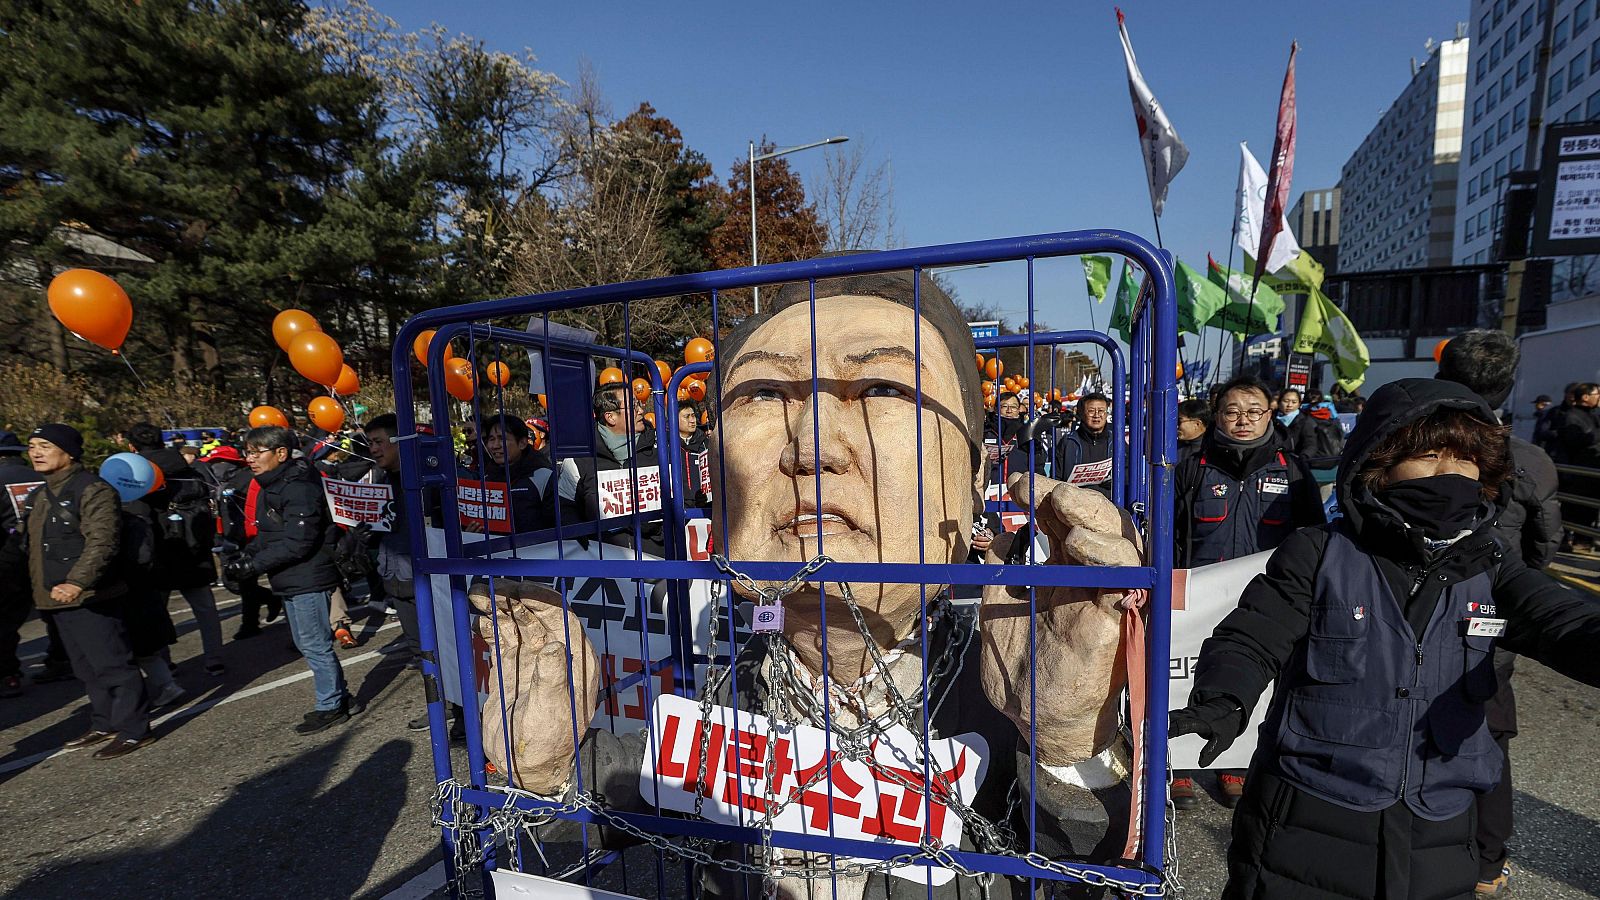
{"points": [[1077, 662], [531, 694]]}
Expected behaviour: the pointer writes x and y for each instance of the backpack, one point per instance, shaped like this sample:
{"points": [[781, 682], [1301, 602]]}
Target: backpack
{"points": [[136, 553], [1327, 438], [186, 529]]}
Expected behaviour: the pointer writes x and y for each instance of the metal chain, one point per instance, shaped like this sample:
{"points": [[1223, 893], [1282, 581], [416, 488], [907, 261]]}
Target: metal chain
{"points": [[784, 702]]}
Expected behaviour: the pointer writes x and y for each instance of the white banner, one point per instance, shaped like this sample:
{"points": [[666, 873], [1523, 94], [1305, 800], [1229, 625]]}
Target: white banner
{"points": [[353, 503], [880, 799], [618, 496], [1211, 592]]}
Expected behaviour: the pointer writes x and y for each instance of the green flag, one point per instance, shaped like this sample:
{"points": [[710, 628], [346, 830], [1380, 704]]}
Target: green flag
{"points": [[1198, 299], [1298, 276], [1122, 315], [1241, 316], [1097, 272], [1324, 330]]}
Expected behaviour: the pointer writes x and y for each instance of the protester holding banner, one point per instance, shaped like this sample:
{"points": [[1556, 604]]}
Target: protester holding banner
{"points": [[293, 547], [1379, 631], [1079, 455], [622, 477], [526, 472]]}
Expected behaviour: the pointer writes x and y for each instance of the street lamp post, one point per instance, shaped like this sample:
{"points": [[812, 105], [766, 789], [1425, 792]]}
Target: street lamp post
{"points": [[754, 259]]}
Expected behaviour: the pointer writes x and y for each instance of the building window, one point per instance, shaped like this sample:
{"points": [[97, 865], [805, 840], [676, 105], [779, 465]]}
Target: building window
{"points": [[1558, 85], [1477, 109], [1503, 130], [1524, 67], [1580, 16], [1477, 145], [1591, 109], [1507, 83], [1563, 28], [1483, 27], [1494, 55], [1526, 23], [1493, 94], [1519, 116], [1510, 38], [1482, 70], [1575, 73], [1499, 11]]}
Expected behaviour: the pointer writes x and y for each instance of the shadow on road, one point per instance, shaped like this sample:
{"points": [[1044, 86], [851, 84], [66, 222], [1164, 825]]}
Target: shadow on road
{"points": [[1570, 860], [279, 834]]}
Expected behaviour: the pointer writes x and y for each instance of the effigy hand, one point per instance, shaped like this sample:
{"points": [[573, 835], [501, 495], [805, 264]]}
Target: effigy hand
{"points": [[530, 695], [1078, 630]]}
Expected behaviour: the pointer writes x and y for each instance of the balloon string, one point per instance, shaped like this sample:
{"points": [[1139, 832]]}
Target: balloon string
{"points": [[144, 387]]}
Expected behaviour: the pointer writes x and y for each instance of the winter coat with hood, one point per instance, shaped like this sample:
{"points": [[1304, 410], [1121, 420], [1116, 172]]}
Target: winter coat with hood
{"points": [[1419, 844]]}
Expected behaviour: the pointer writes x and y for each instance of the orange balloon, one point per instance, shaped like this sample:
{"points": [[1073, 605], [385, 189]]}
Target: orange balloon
{"points": [[499, 373], [994, 369], [317, 357], [1180, 370], [458, 379], [683, 393], [612, 375], [159, 482], [326, 413], [665, 370], [1438, 349], [542, 404], [650, 419], [641, 390], [697, 389], [92, 306], [348, 382], [988, 403], [263, 416], [289, 323], [699, 350], [988, 388], [981, 362], [420, 346], [1022, 381]]}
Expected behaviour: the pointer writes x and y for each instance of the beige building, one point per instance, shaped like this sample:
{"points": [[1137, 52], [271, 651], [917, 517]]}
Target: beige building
{"points": [[1398, 190]]}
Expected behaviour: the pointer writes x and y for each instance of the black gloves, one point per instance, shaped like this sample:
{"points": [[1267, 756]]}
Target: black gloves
{"points": [[239, 569], [1220, 720]]}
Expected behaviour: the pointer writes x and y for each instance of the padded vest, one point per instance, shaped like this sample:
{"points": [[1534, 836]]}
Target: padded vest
{"points": [[61, 542], [1237, 518], [1367, 714]]}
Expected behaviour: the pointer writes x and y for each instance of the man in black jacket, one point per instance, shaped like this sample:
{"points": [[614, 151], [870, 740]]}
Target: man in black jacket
{"points": [[15, 600], [292, 547], [187, 527], [1529, 525], [527, 473], [595, 488], [1079, 455]]}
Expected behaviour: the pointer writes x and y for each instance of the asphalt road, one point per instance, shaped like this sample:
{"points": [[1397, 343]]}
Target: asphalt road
{"points": [[230, 802]]}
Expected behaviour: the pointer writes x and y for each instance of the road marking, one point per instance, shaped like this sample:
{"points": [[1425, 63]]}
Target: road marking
{"points": [[196, 708], [420, 887], [1579, 583]]}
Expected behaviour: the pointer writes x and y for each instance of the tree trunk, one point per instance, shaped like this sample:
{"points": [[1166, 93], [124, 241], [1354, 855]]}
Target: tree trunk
{"points": [[55, 335]]}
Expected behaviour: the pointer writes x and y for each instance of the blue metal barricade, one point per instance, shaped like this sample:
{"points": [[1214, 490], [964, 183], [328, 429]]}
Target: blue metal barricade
{"points": [[489, 822]]}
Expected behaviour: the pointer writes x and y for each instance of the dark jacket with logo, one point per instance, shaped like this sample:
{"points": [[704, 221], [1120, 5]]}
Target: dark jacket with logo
{"points": [[14, 469], [1233, 502], [74, 525], [294, 543], [1530, 523], [1379, 709], [185, 520]]}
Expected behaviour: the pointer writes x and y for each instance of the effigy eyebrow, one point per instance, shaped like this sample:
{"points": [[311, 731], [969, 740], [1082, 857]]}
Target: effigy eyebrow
{"points": [[898, 353], [782, 359]]}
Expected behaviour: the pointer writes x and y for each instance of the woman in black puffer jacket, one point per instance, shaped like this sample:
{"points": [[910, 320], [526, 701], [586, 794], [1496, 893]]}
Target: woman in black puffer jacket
{"points": [[1378, 631]]}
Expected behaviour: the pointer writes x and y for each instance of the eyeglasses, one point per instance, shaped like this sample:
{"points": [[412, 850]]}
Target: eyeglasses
{"points": [[251, 454], [1233, 413]]}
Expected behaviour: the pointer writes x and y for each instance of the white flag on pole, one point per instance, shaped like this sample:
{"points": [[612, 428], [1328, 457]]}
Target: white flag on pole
{"points": [[1164, 153], [1249, 209]]}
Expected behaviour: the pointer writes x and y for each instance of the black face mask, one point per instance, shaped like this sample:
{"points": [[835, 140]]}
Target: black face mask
{"points": [[1440, 506]]}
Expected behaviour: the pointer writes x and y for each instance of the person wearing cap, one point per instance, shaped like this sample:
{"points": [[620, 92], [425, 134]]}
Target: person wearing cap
{"points": [[1540, 404], [73, 532], [16, 478]]}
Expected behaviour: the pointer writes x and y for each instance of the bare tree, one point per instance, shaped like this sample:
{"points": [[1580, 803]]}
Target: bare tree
{"points": [[855, 202]]}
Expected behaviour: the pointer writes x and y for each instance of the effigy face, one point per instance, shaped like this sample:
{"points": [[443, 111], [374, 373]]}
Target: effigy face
{"points": [[854, 443]]}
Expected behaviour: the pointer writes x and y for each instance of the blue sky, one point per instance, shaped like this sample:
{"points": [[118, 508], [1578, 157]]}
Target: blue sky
{"points": [[998, 118]]}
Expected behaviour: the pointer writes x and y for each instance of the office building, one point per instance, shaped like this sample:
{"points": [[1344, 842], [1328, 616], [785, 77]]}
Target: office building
{"points": [[1398, 204], [1315, 223]]}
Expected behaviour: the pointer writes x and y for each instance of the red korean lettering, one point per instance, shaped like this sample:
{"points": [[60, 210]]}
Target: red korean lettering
{"points": [[824, 800]]}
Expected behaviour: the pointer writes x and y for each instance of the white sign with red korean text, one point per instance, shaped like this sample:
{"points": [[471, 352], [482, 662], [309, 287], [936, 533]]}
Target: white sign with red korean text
{"points": [[883, 799], [353, 503], [1090, 473], [619, 497]]}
